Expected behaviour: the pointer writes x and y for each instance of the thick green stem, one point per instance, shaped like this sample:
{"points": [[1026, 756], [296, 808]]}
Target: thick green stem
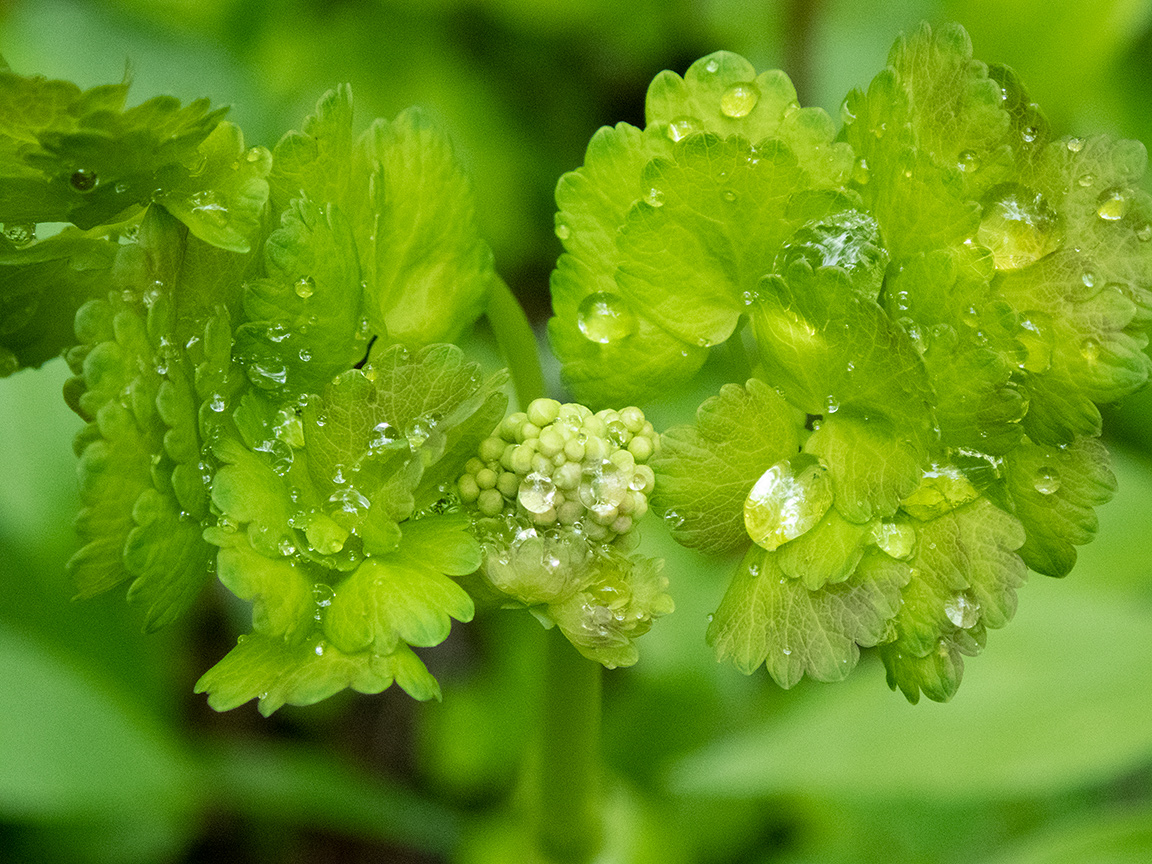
{"points": [[568, 823], [517, 342]]}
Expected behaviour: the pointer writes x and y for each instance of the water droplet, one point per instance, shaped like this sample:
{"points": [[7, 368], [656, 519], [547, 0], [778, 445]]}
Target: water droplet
{"points": [[602, 489], [943, 488], [217, 403], [1018, 227], [861, 173], [1046, 480], [349, 501], [1075, 145], [305, 355], [605, 318], [563, 231], [968, 162], [383, 435], [83, 180], [895, 538], [673, 519], [267, 374], [1091, 351], [847, 115], [962, 611], [322, 596], [20, 233], [1036, 337], [537, 493], [208, 205], [280, 455], [1144, 233], [276, 332], [729, 195], [787, 501], [1112, 205], [739, 99], [1086, 180], [712, 66], [286, 547], [654, 197], [419, 432], [1029, 133], [305, 287], [682, 127]]}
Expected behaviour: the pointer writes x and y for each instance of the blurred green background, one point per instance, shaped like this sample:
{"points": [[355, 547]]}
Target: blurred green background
{"points": [[105, 756]]}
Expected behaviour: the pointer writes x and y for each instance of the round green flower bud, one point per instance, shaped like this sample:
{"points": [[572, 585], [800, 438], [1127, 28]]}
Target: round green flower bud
{"points": [[490, 502], [542, 412], [491, 449], [467, 488]]}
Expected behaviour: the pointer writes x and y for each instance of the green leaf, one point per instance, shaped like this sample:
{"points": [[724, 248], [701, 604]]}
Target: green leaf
{"points": [[829, 349], [705, 472], [316, 162], [933, 134], [284, 601], [872, 467], [250, 493], [1094, 184], [389, 601], [710, 225], [279, 673], [222, 199], [78, 156], [965, 574], [612, 354], [827, 552], [766, 617], [721, 94], [427, 269], [443, 543], [167, 554], [41, 287], [304, 318], [1054, 490], [430, 402], [1086, 345]]}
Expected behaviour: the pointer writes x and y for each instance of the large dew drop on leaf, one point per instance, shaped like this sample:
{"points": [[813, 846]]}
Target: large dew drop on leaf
{"points": [[787, 501]]}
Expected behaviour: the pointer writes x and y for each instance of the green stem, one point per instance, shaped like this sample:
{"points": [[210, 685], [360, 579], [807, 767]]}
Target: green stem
{"points": [[517, 342], [568, 824]]}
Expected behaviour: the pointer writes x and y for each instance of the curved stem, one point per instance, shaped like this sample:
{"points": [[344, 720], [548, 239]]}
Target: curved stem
{"points": [[517, 342], [568, 823]]}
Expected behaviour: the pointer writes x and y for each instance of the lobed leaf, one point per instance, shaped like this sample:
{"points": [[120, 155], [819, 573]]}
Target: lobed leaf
{"points": [[705, 472], [766, 617]]}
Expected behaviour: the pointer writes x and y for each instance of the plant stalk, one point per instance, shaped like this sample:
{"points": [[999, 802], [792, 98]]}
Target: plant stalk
{"points": [[517, 342], [568, 817]]}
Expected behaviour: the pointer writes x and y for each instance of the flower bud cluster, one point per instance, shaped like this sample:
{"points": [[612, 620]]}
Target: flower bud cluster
{"points": [[562, 465]]}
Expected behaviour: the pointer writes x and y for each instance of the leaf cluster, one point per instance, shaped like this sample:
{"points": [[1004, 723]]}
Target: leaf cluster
{"points": [[258, 356], [939, 295]]}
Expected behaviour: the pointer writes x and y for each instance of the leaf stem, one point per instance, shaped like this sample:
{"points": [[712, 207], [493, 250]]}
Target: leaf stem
{"points": [[568, 823], [517, 342]]}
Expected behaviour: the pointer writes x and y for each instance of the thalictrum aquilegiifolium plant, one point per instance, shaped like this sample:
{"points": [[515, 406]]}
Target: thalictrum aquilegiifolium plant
{"points": [[928, 302]]}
